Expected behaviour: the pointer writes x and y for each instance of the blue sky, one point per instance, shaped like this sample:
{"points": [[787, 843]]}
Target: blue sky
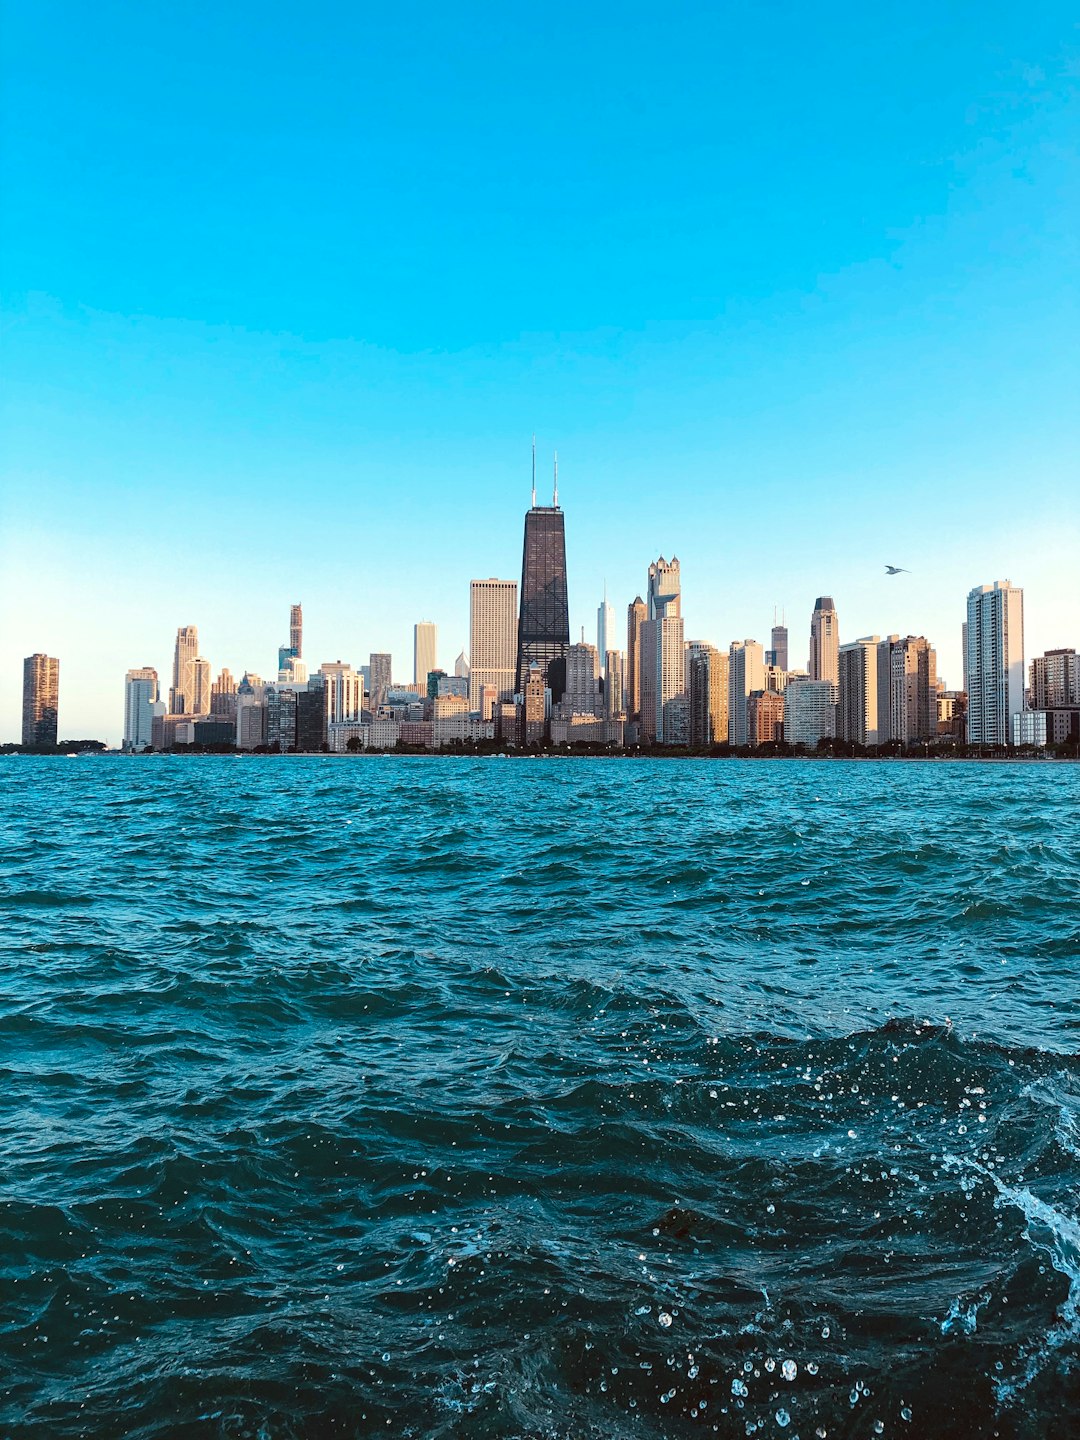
{"points": [[286, 291]]}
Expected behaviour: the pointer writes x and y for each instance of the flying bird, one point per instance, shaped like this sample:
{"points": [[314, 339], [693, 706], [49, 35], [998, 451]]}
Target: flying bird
{"points": [[896, 570]]}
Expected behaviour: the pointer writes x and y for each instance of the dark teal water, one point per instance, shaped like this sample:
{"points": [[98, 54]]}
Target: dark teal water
{"points": [[487, 1098]]}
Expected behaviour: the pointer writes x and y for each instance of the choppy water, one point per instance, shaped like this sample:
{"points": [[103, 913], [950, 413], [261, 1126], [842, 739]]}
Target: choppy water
{"points": [[350, 1097]]}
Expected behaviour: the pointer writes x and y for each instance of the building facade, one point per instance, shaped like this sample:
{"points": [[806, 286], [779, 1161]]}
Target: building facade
{"points": [[859, 713], [746, 673], [182, 691], [708, 697], [913, 690], [40, 699], [636, 614], [380, 671], [543, 634], [493, 626], [425, 645], [825, 641], [995, 661], [810, 712], [141, 693]]}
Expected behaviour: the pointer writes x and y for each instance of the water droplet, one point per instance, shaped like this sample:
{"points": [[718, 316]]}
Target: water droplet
{"points": [[789, 1369], [664, 1319], [905, 1413], [783, 1419], [738, 1387]]}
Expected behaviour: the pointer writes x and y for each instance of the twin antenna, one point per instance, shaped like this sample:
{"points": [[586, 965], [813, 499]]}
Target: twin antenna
{"points": [[555, 498]]}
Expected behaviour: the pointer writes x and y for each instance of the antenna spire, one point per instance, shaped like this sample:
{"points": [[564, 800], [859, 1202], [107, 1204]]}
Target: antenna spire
{"points": [[555, 500], [534, 473]]}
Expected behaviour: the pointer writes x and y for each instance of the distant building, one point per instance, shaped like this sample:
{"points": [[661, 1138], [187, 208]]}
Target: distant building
{"points": [[860, 705], [461, 666], [1029, 728], [913, 694], [995, 661], [380, 668], [281, 717], [1055, 681], [708, 697], [203, 686], [778, 652], [615, 685], [665, 709], [746, 673], [312, 715], [636, 615], [588, 729], [251, 713], [543, 635], [493, 627], [41, 699], [425, 644], [765, 717], [582, 693], [182, 691], [294, 650], [533, 707], [344, 692], [605, 632], [809, 711], [223, 696], [140, 696], [825, 641]]}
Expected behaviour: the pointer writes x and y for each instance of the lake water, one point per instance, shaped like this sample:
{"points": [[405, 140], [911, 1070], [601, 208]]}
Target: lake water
{"points": [[565, 1098]]}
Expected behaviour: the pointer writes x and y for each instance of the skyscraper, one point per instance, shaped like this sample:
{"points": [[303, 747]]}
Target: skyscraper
{"points": [[858, 718], [995, 661], [708, 696], [493, 628], [778, 641], [380, 673], [182, 692], [425, 643], [746, 673], [605, 631], [223, 695], [825, 641], [544, 618], [294, 650], [665, 714], [582, 693], [615, 685], [140, 696], [203, 686], [461, 666], [913, 698], [809, 712], [41, 699], [636, 615], [1055, 680]]}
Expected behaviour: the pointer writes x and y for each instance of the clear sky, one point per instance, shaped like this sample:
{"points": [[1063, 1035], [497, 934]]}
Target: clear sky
{"points": [[287, 288]]}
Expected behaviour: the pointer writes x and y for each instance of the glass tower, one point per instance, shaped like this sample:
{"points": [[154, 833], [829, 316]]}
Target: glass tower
{"points": [[544, 617]]}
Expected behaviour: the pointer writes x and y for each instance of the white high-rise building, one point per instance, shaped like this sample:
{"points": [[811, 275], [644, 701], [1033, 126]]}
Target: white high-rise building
{"points": [[425, 644], [204, 684], [995, 662], [825, 641], [746, 673], [182, 692], [582, 693], [461, 666], [605, 632], [344, 692], [861, 704], [809, 712], [493, 638], [140, 697]]}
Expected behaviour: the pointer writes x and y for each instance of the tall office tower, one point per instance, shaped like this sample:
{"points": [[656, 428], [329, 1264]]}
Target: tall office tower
{"points": [[664, 702], [288, 654], [636, 615], [140, 696], [203, 685], [344, 691], [182, 693], [825, 641], [810, 712], [493, 629], [380, 679], [914, 689], [1055, 680], [995, 661], [582, 693], [281, 717], [746, 673], [461, 666], [223, 695], [708, 697], [544, 618], [605, 631], [778, 641], [41, 699], [312, 715], [860, 704], [425, 638], [615, 685]]}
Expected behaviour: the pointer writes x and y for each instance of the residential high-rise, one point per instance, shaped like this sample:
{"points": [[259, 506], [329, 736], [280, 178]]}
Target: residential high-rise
{"points": [[182, 692], [533, 707], [860, 706], [764, 717], [636, 615], [223, 696], [995, 661], [344, 689], [746, 673], [1055, 680], [913, 698], [140, 697], [605, 631], [809, 712], [425, 644], [41, 699], [824, 641], [708, 697], [380, 672], [615, 685], [544, 617], [493, 628], [582, 693]]}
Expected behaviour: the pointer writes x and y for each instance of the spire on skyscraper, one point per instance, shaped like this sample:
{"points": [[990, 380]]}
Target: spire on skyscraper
{"points": [[534, 473], [555, 496]]}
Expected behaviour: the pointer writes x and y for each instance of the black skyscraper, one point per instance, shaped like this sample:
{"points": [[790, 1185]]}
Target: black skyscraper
{"points": [[544, 622]]}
